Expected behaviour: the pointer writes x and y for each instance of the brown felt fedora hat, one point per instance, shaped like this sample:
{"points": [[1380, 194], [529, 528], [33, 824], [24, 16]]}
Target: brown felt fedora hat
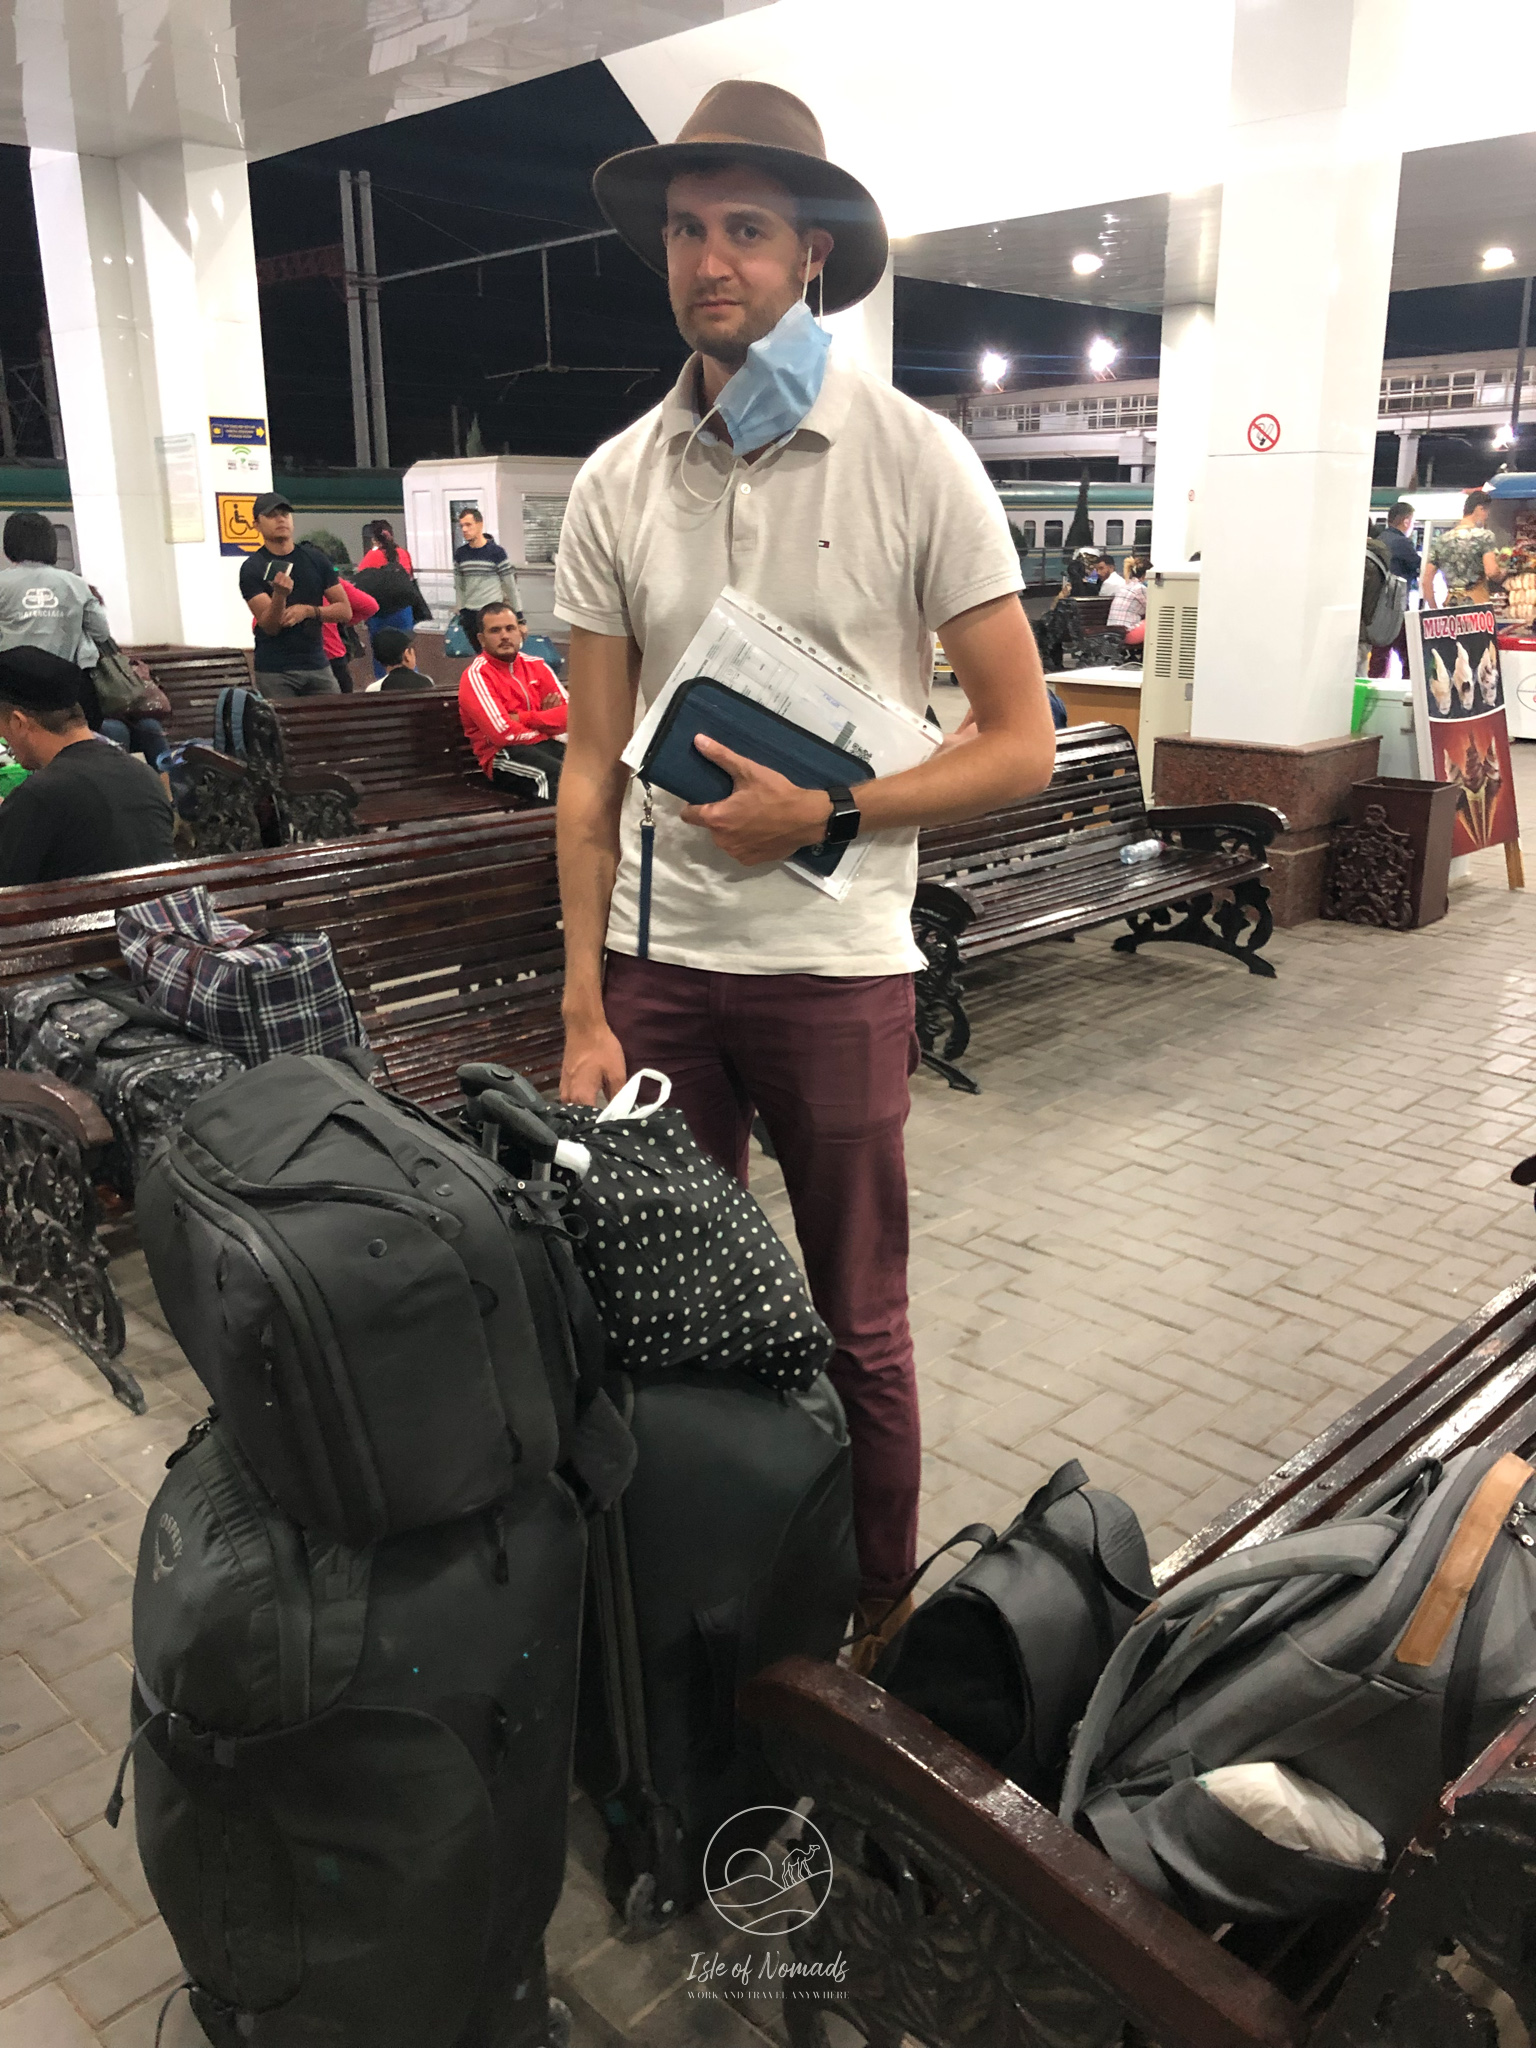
{"points": [[743, 121]]}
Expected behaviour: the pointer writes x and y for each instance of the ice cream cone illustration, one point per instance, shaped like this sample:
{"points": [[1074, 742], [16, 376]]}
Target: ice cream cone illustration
{"points": [[1462, 677], [1488, 677], [1479, 780], [1439, 683]]}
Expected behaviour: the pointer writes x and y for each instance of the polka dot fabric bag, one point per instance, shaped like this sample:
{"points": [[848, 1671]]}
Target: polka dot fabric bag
{"points": [[683, 1264]]}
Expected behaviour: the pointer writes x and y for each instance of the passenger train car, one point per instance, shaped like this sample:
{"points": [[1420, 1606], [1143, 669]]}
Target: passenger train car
{"points": [[1121, 518], [1039, 513], [338, 504]]}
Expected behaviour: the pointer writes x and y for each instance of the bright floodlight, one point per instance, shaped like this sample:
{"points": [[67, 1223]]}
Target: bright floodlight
{"points": [[994, 368], [1498, 257], [1101, 355], [1085, 263], [1505, 437]]}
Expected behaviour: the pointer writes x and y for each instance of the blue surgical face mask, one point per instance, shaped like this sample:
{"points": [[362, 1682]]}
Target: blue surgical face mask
{"points": [[778, 383], [772, 392]]}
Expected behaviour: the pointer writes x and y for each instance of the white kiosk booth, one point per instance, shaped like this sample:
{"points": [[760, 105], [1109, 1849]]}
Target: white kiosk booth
{"points": [[522, 499]]}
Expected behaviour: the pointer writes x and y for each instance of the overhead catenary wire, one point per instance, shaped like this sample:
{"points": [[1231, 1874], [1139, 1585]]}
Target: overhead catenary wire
{"points": [[549, 366]]}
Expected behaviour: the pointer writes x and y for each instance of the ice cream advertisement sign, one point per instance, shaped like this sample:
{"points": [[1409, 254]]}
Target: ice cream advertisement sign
{"points": [[1453, 658]]}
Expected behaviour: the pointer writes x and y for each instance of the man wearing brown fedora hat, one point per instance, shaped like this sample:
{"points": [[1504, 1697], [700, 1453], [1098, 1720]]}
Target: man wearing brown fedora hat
{"points": [[868, 524]]}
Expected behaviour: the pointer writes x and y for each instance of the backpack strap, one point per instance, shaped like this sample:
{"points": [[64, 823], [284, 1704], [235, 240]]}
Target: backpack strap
{"points": [[1460, 1702], [1066, 1480], [1342, 1549], [973, 1532], [1463, 1558]]}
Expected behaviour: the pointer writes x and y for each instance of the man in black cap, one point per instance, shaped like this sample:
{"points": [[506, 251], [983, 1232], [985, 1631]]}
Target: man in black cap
{"points": [[292, 590], [86, 807]]}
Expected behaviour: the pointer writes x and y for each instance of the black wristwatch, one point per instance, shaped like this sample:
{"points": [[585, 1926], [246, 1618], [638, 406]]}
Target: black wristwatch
{"points": [[843, 825]]}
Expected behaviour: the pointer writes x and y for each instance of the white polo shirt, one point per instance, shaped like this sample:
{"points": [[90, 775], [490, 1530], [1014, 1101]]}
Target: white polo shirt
{"points": [[871, 527]]}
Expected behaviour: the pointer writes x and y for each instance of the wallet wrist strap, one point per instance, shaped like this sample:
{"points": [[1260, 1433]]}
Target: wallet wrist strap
{"points": [[647, 859]]}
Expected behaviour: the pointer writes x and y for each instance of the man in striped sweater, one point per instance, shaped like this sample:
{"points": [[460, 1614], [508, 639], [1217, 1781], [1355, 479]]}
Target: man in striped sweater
{"points": [[514, 710]]}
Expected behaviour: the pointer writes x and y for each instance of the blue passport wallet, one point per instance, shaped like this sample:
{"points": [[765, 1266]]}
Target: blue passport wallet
{"points": [[702, 706]]}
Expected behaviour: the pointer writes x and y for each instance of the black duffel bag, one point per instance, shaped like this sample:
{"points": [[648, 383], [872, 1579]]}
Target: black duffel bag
{"points": [[1005, 1656], [392, 1329]]}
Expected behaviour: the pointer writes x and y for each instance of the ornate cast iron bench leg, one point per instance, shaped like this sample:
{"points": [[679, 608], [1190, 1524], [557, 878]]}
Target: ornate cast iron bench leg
{"points": [[1231, 932], [1458, 1921], [52, 1262], [938, 919]]}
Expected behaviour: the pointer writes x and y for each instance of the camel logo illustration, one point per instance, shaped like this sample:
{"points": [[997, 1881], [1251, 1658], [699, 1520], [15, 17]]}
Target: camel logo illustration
{"points": [[762, 1879]]}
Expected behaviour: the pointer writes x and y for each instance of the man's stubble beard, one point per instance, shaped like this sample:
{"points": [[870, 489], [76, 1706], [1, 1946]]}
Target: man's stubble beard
{"points": [[729, 352]]}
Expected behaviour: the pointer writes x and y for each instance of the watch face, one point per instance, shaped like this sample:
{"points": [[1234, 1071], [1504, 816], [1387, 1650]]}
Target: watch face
{"points": [[844, 823]]}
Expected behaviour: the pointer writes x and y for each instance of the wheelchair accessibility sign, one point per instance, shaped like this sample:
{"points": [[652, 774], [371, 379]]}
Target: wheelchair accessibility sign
{"points": [[238, 532]]}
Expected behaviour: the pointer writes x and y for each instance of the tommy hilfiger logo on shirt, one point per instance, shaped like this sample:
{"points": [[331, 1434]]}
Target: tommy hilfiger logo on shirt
{"points": [[823, 543]]}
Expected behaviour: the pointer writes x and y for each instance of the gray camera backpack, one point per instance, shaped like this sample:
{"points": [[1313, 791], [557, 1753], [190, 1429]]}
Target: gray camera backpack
{"points": [[1373, 1657]]}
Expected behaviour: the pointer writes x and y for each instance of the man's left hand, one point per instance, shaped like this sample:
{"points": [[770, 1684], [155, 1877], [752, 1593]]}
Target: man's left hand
{"points": [[765, 818]]}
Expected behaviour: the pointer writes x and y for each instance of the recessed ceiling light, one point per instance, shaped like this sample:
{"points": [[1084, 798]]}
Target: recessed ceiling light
{"points": [[1085, 263], [1498, 257]]}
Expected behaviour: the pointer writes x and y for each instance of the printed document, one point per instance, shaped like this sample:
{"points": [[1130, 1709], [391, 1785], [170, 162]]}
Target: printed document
{"points": [[747, 648]]}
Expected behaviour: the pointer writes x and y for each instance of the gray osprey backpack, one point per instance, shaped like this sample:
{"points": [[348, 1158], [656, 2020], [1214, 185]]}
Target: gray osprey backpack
{"points": [[1374, 1657]]}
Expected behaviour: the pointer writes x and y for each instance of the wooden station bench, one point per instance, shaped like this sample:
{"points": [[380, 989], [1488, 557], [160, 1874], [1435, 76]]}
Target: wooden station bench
{"points": [[403, 753], [327, 767], [1050, 867], [968, 1914], [448, 936]]}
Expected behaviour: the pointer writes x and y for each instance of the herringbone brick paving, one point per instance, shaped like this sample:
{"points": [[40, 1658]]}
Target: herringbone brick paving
{"points": [[1192, 1217]]}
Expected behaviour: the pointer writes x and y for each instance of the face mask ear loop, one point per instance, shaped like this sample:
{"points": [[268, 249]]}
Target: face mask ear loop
{"points": [[821, 288], [698, 496]]}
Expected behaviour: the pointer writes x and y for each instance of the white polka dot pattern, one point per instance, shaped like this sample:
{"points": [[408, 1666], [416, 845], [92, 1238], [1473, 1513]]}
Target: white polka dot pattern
{"points": [[683, 1264]]}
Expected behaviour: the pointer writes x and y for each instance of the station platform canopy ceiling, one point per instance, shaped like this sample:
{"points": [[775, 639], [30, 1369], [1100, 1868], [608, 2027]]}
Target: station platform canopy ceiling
{"points": [[1001, 136]]}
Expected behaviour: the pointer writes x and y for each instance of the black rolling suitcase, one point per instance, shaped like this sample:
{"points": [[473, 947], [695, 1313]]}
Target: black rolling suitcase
{"points": [[732, 1546], [351, 1765]]}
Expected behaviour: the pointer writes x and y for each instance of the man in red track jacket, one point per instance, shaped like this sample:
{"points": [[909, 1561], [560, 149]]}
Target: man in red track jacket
{"points": [[513, 708]]}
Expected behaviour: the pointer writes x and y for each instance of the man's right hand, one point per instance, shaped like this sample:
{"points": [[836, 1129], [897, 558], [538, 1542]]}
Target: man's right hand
{"points": [[282, 582], [593, 1063]]}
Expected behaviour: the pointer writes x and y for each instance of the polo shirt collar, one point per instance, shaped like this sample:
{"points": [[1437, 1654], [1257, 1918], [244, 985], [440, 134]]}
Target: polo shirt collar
{"points": [[824, 421]]}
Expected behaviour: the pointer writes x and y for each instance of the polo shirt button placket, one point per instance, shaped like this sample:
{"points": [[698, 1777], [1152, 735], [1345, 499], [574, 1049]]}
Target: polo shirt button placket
{"points": [[744, 530]]}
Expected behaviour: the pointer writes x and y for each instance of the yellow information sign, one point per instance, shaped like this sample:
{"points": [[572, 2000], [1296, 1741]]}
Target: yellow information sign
{"points": [[238, 532]]}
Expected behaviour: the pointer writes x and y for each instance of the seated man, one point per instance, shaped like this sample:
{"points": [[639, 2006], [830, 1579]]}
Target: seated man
{"points": [[514, 710], [397, 650], [1111, 582], [86, 807]]}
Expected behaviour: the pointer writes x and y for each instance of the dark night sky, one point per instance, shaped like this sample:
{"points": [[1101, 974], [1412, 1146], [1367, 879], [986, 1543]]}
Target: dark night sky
{"points": [[513, 166]]}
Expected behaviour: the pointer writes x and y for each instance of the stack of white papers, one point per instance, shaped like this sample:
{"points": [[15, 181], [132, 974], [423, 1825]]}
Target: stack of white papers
{"points": [[747, 649]]}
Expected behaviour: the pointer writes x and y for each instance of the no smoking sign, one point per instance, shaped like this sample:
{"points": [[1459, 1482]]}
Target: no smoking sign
{"points": [[1263, 432]]}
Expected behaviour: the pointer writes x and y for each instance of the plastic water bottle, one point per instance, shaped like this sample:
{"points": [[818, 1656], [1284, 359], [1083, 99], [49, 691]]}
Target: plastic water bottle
{"points": [[1140, 850]]}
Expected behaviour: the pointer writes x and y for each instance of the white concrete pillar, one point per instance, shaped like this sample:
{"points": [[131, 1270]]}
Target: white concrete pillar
{"points": [[1308, 215], [150, 274], [1183, 433], [862, 333], [1407, 460]]}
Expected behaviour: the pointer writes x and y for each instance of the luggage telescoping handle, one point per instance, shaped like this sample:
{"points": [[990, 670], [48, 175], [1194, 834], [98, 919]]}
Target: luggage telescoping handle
{"points": [[532, 1133], [479, 1075]]}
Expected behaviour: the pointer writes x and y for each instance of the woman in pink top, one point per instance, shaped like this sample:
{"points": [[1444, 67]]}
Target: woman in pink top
{"points": [[363, 607]]}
